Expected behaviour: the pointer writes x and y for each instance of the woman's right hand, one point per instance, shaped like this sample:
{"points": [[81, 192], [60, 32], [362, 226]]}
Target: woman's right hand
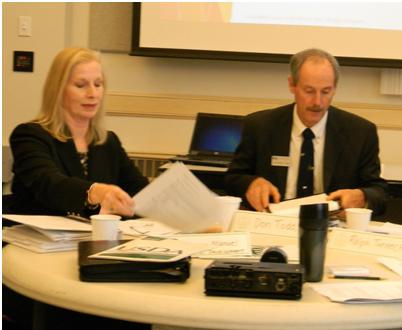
{"points": [[112, 199]]}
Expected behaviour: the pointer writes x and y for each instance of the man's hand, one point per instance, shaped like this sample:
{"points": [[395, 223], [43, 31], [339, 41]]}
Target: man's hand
{"points": [[348, 198], [259, 192]]}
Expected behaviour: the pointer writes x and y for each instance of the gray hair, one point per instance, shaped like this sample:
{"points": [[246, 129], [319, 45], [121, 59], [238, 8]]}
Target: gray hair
{"points": [[299, 58]]}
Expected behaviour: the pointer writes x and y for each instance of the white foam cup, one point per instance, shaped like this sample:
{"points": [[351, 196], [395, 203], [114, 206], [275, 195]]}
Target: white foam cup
{"points": [[229, 206], [105, 227], [358, 218]]}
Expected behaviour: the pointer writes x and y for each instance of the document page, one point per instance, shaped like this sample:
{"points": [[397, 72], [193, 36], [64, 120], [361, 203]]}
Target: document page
{"points": [[178, 199], [361, 292], [49, 222], [291, 207], [152, 249]]}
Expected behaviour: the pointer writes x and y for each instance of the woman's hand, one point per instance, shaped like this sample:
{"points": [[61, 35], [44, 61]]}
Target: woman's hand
{"points": [[112, 199]]}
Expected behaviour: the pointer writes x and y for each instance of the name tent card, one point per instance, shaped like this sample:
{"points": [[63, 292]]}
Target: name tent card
{"points": [[265, 223], [366, 242]]}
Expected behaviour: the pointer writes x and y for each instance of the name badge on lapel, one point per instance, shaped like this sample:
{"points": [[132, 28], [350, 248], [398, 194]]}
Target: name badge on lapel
{"points": [[283, 161]]}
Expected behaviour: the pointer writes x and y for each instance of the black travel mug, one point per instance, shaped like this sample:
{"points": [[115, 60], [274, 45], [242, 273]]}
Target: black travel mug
{"points": [[313, 228]]}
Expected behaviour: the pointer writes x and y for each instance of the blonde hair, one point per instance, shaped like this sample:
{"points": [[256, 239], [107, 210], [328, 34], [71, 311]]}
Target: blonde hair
{"points": [[50, 116]]}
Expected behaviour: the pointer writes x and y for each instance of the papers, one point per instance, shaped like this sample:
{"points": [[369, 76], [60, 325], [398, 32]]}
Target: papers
{"points": [[387, 228], [178, 199], [49, 222], [40, 233], [152, 249], [356, 271], [147, 227], [29, 238], [361, 292], [291, 207], [392, 263], [222, 245]]}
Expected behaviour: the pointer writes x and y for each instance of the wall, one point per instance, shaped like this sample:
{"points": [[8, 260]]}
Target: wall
{"points": [[56, 25]]}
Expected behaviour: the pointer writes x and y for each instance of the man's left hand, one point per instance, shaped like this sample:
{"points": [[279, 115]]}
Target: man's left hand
{"points": [[348, 198]]}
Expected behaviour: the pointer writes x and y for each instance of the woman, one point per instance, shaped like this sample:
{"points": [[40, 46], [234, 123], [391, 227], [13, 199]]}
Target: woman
{"points": [[65, 162]]}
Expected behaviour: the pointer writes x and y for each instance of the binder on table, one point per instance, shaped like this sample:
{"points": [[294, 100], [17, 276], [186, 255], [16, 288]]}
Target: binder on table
{"points": [[108, 270]]}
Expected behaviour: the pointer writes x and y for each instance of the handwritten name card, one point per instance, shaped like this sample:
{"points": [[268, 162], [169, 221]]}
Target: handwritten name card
{"points": [[265, 223], [365, 242]]}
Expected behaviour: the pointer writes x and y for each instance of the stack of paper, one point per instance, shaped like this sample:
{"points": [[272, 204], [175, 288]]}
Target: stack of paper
{"points": [[45, 233], [178, 199], [292, 207], [361, 292]]}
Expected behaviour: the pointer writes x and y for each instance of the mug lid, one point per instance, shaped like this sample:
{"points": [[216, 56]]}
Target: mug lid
{"points": [[314, 216]]}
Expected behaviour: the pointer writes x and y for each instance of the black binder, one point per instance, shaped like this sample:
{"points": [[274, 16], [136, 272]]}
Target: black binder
{"points": [[106, 270]]}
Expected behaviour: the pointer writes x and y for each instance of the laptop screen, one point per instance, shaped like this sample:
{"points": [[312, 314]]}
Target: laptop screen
{"points": [[216, 134]]}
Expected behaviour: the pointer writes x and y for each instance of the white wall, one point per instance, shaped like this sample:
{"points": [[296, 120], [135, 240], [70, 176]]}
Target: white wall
{"points": [[56, 25]]}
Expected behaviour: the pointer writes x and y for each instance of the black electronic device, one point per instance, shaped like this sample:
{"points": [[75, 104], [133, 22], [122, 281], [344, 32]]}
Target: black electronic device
{"points": [[214, 141], [274, 254], [241, 278]]}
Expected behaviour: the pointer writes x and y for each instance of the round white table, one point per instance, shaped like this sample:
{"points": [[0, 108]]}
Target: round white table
{"points": [[53, 278]]}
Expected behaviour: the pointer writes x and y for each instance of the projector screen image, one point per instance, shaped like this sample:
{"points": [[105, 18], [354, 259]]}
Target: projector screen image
{"points": [[358, 33]]}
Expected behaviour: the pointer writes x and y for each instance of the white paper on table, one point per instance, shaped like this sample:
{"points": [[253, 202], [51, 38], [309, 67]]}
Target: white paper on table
{"points": [[291, 207], [222, 245], [387, 228], [146, 227], [151, 249], [49, 222], [178, 199], [392, 263], [27, 237], [361, 292]]}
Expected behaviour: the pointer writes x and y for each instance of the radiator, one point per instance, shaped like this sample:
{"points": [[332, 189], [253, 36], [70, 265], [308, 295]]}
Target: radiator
{"points": [[148, 166]]}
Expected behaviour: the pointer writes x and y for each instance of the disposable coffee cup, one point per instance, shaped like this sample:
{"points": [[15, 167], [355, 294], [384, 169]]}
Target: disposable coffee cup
{"points": [[358, 218], [105, 227], [229, 205]]}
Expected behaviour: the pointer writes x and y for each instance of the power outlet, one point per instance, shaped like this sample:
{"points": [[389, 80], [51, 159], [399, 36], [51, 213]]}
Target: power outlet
{"points": [[25, 26]]}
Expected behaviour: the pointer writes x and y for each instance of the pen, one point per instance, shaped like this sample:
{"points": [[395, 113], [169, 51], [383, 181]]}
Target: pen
{"points": [[78, 218], [357, 277]]}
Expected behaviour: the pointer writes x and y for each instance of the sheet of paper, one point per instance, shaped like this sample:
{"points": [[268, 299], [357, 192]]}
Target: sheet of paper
{"points": [[222, 245], [386, 228], [291, 207], [146, 227], [151, 249], [178, 199], [361, 292], [49, 222], [349, 270], [392, 263], [64, 235], [28, 238]]}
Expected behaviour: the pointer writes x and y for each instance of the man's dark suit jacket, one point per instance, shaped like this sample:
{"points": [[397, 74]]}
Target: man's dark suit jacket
{"points": [[350, 154], [49, 178]]}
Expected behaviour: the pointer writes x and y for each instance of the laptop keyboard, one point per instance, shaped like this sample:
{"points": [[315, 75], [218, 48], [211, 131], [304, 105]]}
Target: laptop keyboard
{"points": [[209, 160]]}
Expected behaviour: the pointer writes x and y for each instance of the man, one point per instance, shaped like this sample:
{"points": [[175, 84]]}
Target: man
{"points": [[344, 155]]}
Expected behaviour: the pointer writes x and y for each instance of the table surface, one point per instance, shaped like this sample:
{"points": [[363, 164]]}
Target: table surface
{"points": [[53, 278]]}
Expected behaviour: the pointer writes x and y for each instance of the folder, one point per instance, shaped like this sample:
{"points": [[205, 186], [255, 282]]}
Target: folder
{"points": [[108, 270]]}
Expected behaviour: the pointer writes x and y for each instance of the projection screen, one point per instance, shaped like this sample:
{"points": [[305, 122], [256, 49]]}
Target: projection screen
{"points": [[357, 33]]}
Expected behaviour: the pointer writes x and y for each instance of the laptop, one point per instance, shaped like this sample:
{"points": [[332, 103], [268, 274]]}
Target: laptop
{"points": [[214, 141]]}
